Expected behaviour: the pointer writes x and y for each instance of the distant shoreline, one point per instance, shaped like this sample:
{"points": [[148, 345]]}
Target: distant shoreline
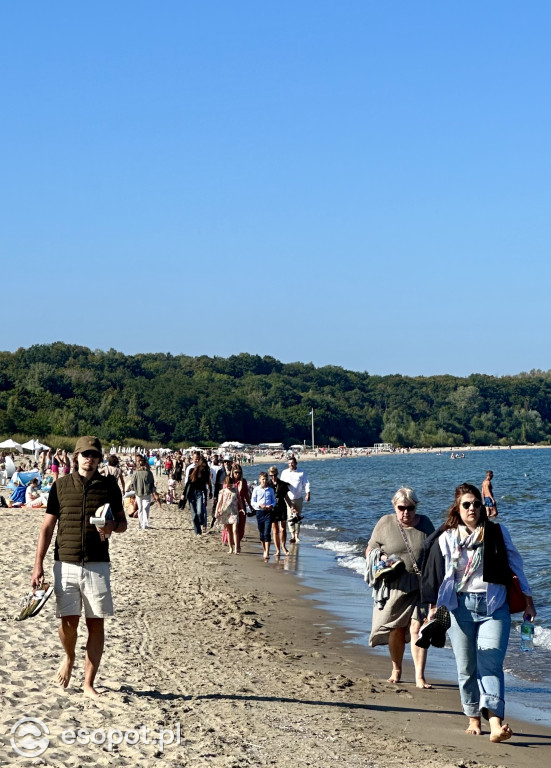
{"points": [[405, 452]]}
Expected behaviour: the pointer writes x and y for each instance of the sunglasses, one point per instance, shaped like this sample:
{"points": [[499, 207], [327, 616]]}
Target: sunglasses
{"points": [[90, 454], [467, 504], [409, 508]]}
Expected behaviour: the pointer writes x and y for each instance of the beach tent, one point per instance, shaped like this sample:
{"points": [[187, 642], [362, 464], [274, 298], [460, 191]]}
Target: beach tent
{"points": [[9, 443], [232, 444], [24, 478], [35, 445]]}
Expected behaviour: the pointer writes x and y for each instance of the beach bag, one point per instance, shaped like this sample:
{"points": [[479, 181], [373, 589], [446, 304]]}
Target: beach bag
{"points": [[515, 596]]}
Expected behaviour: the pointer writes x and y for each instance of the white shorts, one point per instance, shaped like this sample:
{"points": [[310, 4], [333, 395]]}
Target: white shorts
{"points": [[88, 584]]}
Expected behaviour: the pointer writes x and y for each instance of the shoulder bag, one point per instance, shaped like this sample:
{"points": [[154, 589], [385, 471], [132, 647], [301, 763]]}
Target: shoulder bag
{"points": [[515, 596]]}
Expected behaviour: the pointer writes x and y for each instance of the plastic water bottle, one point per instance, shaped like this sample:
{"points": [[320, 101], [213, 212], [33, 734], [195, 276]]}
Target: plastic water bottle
{"points": [[527, 636]]}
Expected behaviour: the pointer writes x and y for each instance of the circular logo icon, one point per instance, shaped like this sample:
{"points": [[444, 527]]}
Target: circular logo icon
{"points": [[28, 737]]}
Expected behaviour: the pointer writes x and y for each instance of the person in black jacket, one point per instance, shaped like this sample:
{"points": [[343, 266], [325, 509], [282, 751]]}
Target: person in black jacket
{"points": [[279, 513], [467, 567]]}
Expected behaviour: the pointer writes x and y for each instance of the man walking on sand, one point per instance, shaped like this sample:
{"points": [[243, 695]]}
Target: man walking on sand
{"points": [[299, 490], [81, 557], [488, 495]]}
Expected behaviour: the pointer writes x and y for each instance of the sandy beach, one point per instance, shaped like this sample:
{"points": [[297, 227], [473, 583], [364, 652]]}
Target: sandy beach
{"points": [[310, 455], [228, 654]]}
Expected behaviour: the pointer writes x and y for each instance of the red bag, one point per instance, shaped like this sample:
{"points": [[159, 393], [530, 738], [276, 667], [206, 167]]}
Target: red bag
{"points": [[515, 596]]}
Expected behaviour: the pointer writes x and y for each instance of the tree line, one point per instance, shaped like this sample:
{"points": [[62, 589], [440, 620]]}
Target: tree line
{"points": [[68, 390]]}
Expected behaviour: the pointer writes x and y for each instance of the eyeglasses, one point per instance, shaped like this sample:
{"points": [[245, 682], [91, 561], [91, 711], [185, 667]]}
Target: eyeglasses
{"points": [[409, 508], [273, 474], [90, 454], [467, 504]]}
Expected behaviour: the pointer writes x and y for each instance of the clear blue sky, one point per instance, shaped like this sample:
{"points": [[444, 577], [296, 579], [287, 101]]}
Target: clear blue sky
{"points": [[364, 184]]}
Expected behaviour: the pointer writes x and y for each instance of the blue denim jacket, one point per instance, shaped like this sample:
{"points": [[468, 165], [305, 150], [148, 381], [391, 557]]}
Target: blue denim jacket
{"points": [[496, 594]]}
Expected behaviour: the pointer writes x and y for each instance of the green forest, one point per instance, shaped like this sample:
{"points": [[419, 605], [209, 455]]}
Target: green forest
{"points": [[66, 390]]}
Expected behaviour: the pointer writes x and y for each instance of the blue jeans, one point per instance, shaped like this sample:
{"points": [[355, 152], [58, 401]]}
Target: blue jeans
{"points": [[479, 643], [264, 522], [198, 509]]}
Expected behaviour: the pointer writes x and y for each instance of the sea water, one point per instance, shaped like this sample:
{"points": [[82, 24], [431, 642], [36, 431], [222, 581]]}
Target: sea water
{"points": [[350, 495]]}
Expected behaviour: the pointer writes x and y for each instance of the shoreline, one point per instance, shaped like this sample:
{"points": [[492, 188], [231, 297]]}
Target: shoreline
{"points": [[466, 449], [242, 655]]}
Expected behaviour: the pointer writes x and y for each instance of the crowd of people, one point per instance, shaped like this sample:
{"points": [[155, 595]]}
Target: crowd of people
{"points": [[275, 501], [211, 484], [81, 574], [425, 581]]}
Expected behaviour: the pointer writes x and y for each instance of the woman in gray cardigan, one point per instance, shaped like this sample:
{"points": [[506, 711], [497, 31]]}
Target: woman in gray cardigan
{"points": [[143, 483]]}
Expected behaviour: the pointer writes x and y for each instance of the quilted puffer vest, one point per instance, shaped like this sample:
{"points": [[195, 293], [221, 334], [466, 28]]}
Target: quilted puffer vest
{"points": [[78, 541]]}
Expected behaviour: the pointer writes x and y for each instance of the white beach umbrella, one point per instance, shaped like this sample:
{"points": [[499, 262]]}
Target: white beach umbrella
{"points": [[9, 443], [34, 445]]}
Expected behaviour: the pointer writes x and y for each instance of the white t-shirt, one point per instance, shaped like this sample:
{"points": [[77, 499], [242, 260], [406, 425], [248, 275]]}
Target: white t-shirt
{"points": [[298, 482]]}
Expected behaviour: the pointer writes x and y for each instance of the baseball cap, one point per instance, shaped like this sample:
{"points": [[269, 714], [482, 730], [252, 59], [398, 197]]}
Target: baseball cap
{"points": [[88, 443]]}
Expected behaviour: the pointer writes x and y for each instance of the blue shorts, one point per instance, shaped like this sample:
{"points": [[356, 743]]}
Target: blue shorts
{"points": [[488, 502]]}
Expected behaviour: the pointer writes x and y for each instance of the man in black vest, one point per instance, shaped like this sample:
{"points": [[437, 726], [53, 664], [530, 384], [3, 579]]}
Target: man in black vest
{"points": [[81, 567]]}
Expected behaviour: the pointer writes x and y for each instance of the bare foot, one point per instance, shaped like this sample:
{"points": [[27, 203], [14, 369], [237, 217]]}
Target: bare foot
{"points": [[422, 683], [277, 553], [64, 672], [285, 550], [474, 726], [395, 677], [501, 733], [90, 692]]}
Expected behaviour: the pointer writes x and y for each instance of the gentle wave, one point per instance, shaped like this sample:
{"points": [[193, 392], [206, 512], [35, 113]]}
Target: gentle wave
{"points": [[315, 527], [354, 563], [347, 554], [341, 547]]}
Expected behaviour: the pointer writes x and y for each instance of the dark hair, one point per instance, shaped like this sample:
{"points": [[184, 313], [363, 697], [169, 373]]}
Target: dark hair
{"points": [[198, 470], [113, 460], [142, 461], [454, 518]]}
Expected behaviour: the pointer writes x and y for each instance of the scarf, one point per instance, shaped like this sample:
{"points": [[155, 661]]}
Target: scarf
{"points": [[474, 544]]}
